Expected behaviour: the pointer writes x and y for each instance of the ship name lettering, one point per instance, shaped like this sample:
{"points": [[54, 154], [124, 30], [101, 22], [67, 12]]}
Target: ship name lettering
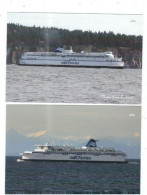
{"points": [[80, 158], [69, 62]]}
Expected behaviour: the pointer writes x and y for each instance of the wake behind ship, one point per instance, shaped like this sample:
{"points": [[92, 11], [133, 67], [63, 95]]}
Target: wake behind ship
{"points": [[67, 58], [88, 153]]}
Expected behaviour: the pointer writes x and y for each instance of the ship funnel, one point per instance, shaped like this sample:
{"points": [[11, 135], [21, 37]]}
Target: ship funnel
{"points": [[59, 49], [70, 48], [91, 143]]}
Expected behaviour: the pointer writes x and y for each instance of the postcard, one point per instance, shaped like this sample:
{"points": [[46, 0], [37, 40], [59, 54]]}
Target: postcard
{"points": [[74, 58], [73, 101]]}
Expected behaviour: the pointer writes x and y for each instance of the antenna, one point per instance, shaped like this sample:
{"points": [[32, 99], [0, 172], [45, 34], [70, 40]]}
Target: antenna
{"points": [[49, 142]]}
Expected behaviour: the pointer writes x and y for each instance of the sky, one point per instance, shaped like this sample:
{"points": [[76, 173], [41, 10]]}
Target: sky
{"points": [[118, 23], [75, 122]]}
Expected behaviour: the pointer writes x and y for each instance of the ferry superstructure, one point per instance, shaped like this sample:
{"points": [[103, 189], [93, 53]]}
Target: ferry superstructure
{"points": [[67, 58], [88, 153]]}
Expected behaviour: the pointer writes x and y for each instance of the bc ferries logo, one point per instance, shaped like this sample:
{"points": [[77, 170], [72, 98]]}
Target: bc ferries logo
{"points": [[70, 63], [80, 158]]}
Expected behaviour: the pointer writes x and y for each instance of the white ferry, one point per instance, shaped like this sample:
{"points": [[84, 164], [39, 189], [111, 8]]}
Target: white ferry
{"points": [[68, 58], [88, 153]]}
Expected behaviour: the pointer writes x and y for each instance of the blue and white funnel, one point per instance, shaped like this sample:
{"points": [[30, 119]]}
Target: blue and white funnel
{"points": [[91, 143], [59, 49]]}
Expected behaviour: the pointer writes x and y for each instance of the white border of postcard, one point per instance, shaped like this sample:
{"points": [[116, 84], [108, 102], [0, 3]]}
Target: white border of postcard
{"points": [[72, 6]]}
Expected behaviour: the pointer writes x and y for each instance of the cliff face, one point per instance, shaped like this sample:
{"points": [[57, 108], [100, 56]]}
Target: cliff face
{"points": [[131, 57]]}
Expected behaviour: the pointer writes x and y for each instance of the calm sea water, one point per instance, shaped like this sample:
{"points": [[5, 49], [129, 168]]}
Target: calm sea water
{"points": [[71, 178], [73, 85]]}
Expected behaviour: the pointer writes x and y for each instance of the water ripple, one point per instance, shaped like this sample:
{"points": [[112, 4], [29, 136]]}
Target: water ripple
{"points": [[71, 178], [73, 85]]}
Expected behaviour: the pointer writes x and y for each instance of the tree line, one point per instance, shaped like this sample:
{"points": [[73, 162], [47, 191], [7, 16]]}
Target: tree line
{"points": [[54, 37]]}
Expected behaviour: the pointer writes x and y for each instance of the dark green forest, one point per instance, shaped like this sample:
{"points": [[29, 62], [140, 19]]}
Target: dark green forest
{"points": [[22, 38]]}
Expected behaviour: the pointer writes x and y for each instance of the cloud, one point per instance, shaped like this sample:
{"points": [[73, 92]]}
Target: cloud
{"points": [[87, 137], [131, 115], [133, 21], [74, 138], [69, 137], [136, 134], [36, 134]]}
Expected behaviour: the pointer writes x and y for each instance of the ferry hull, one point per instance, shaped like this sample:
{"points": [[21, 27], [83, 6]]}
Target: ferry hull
{"points": [[72, 63], [73, 66], [74, 158]]}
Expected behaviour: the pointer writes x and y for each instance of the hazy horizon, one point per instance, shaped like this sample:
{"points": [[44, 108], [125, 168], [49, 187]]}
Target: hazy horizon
{"points": [[116, 23], [75, 121]]}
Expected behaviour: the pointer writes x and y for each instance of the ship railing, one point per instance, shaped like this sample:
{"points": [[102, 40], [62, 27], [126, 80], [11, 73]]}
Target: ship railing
{"points": [[27, 152], [63, 54]]}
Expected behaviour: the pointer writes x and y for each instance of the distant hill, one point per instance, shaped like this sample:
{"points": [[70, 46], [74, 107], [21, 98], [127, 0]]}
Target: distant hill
{"points": [[22, 38], [17, 143]]}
